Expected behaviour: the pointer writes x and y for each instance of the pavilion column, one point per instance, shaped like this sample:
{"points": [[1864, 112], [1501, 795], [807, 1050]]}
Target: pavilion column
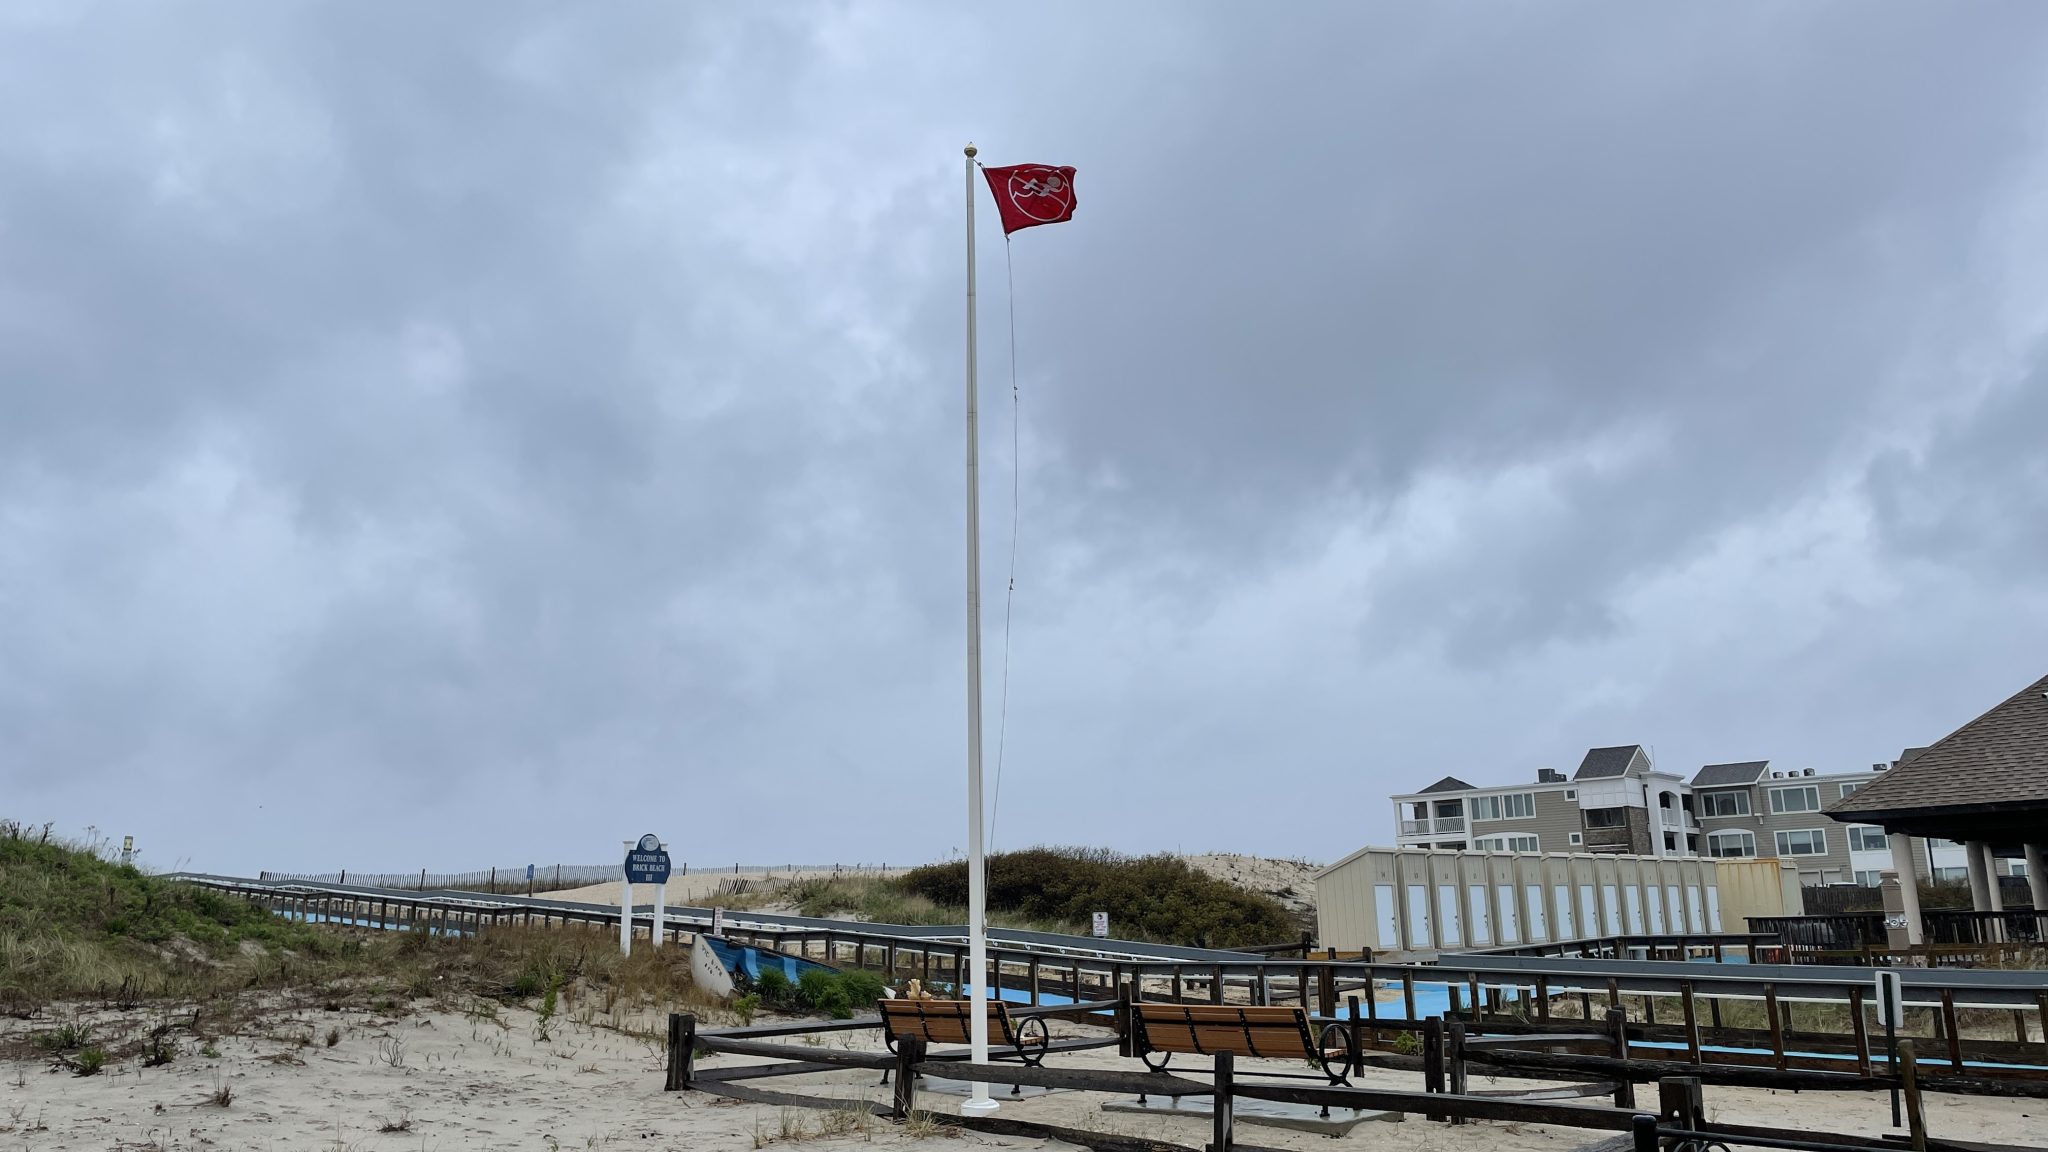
{"points": [[1909, 887], [2037, 876], [1992, 889], [1976, 854]]}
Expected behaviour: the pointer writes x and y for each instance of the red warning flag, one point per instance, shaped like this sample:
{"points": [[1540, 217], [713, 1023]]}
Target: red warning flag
{"points": [[1032, 194]]}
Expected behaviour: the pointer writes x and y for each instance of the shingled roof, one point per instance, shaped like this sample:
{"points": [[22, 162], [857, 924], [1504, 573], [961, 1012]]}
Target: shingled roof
{"points": [[1729, 775], [1996, 765], [1601, 762], [1447, 784]]}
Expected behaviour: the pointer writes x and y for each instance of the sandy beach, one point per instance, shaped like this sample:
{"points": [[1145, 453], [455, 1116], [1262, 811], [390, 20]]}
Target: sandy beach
{"points": [[447, 1080]]}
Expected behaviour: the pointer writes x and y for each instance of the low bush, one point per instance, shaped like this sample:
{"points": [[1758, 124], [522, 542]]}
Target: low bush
{"points": [[1160, 898], [818, 990]]}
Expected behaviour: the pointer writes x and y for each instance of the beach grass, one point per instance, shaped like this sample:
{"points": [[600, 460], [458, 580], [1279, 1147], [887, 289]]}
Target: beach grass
{"points": [[77, 926]]}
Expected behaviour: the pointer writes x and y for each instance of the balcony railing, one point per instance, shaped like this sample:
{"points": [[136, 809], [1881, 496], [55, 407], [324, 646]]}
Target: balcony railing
{"points": [[1439, 826]]}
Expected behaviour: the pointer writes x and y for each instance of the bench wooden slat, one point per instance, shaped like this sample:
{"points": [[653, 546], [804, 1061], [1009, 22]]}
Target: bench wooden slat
{"points": [[1241, 1030], [946, 1021]]}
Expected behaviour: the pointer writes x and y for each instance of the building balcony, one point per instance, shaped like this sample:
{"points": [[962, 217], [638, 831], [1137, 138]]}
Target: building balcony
{"points": [[1441, 826], [1607, 839]]}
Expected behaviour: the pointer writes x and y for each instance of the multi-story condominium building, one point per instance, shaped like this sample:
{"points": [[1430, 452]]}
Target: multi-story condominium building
{"points": [[1620, 802], [1753, 809]]}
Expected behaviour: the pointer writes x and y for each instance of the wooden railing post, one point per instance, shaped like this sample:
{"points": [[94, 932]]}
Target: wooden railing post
{"points": [[1355, 1043], [1909, 1083], [682, 1048], [909, 1054], [1644, 1129], [1681, 1103], [1433, 1060], [1226, 1068], [1454, 1056], [1617, 1025]]}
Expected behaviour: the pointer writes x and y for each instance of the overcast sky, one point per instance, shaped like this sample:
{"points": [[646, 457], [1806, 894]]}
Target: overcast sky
{"points": [[464, 434]]}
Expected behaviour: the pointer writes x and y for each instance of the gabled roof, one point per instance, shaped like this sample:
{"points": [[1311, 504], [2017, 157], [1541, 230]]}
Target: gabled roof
{"points": [[1999, 761], [1601, 762], [1729, 775], [1447, 784]]}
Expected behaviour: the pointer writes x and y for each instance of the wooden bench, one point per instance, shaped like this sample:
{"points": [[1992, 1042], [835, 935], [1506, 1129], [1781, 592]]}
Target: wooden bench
{"points": [[949, 1022], [1274, 1033]]}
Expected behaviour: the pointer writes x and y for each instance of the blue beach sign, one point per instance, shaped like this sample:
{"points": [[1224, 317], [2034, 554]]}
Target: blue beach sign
{"points": [[647, 862]]}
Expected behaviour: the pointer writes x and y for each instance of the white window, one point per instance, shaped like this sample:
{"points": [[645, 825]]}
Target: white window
{"points": [[1804, 842], [1576, 838], [1724, 803], [1505, 844], [1731, 842], [1864, 838], [1571, 793], [1513, 806], [1847, 789], [1951, 875], [1871, 878], [1803, 799]]}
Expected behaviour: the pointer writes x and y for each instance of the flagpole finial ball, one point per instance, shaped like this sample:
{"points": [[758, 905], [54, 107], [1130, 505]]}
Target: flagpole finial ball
{"points": [[971, 151]]}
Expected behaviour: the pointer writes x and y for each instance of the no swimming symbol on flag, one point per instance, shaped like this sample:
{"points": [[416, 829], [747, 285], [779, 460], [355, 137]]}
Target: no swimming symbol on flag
{"points": [[1028, 195]]}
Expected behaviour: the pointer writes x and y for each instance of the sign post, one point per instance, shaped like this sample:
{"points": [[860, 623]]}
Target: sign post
{"points": [[529, 880], [718, 921], [661, 900], [1891, 1007], [646, 863], [1102, 925]]}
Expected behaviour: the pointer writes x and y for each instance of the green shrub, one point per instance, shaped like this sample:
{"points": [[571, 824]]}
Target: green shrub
{"points": [[745, 1007], [89, 1062], [1149, 897], [863, 988], [775, 989]]}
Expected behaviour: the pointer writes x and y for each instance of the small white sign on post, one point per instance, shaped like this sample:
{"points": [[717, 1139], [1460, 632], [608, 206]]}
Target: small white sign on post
{"points": [[718, 921], [1891, 999], [1102, 925]]}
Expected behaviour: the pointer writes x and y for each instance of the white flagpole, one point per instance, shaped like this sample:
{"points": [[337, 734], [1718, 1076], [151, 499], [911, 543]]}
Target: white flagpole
{"points": [[977, 882]]}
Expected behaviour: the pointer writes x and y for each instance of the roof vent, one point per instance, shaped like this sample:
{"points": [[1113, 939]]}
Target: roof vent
{"points": [[1806, 772]]}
